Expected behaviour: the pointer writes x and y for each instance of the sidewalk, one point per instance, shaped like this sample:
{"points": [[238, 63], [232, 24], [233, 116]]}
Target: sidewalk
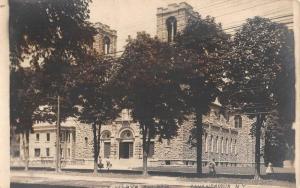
{"points": [[38, 177]]}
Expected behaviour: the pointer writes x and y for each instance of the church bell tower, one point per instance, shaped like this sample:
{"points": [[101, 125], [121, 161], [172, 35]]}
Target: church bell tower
{"points": [[173, 19]]}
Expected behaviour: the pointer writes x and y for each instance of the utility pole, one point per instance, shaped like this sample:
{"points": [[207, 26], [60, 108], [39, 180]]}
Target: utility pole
{"points": [[58, 162]]}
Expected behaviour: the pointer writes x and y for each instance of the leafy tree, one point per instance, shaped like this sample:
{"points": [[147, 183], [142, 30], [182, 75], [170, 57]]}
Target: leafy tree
{"points": [[51, 36], [38, 28], [280, 137], [97, 101], [199, 68], [260, 52], [154, 98], [277, 139], [25, 96], [285, 92]]}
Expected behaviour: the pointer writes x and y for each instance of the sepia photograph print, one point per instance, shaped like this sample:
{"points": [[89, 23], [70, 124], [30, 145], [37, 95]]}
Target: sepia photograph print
{"points": [[160, 93]]}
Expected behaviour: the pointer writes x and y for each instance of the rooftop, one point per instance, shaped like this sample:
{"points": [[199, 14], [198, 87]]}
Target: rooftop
{"points": [[105, 28]]}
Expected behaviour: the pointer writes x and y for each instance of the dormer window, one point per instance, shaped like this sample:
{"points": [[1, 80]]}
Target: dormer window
{"points": [[171, 28], [106, 45], [237, 121]]}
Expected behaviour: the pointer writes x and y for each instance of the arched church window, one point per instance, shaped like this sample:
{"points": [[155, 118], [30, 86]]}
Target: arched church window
{"points": [[127, 134], [222, 145], [212, 144], [237, 121], [206, 143], [227, 148], [171, 28], [106, 45], [106, 135], [235, 151], [217, 144]]}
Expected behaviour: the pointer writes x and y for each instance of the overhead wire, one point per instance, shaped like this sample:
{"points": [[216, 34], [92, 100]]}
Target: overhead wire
{"points": [[244, 9], [229, 27]]}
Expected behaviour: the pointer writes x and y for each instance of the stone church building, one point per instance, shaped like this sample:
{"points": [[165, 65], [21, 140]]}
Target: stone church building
{"points": [[226, 138]]}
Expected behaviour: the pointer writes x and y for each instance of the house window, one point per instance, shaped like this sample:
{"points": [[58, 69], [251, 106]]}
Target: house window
{"points": [[151, 150], [37, 152], [37, 137], [106, 45], [231, 147], [171, 23], [48, 137], [47, 152], [237, 121], [86, 141]]}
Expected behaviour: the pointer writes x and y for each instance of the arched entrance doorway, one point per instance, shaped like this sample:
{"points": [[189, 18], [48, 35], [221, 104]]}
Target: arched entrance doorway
{"points": [[126, 145]]}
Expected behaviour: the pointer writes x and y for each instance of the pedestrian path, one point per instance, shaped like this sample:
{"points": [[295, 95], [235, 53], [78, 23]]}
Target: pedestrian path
{"points": [[48, 177]]}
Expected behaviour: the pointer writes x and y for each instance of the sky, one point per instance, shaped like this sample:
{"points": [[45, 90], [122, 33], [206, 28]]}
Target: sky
{"points": [[128, 17]]}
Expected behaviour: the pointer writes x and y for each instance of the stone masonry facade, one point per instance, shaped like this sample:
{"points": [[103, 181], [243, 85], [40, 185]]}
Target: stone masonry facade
{"points": [[105, 42], [182, 12], [222, 141]]}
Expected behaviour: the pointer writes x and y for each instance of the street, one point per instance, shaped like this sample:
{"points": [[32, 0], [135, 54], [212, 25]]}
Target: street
{"points": [[34, 178]]}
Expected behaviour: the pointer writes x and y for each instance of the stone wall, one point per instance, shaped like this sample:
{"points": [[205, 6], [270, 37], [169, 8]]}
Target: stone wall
{"points": [[105, 31], [177, 151], [83, 141], [182, 12], [239, 142], [170, 150], [245, 146], [218, 125]]}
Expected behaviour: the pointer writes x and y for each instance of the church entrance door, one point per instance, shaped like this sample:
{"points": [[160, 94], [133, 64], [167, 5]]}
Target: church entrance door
{"points": [[126, 150]]}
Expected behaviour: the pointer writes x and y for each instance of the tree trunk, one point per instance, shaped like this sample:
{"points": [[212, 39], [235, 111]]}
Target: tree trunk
{"points": [[26, 149], [99, 137], [96, 152], [145, 150], [257, 147], [199, 132]]}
